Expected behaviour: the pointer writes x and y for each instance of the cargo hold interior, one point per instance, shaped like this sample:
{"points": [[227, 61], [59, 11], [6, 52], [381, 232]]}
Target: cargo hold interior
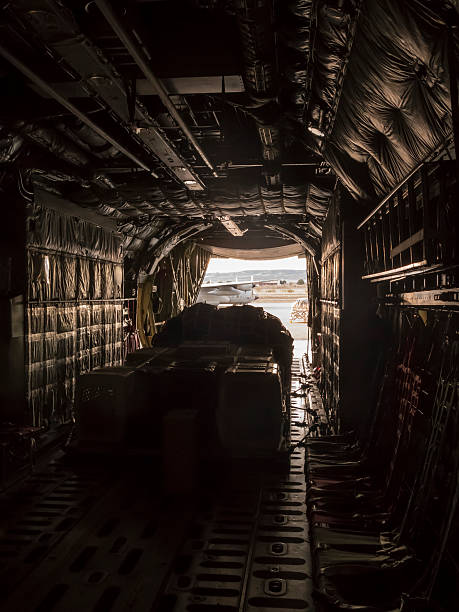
{"points": [[162, 454]]}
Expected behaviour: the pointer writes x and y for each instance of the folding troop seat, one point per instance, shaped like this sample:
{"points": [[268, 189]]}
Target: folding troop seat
{"points": [[360, 498]]}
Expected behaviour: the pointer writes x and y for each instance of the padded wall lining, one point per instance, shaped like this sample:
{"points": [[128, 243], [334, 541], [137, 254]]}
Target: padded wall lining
{"points": [[395, 108], [74, 308]]}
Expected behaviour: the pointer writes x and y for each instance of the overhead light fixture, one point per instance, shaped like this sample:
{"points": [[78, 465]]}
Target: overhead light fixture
{"points": [[316, 121], [231, 226], [189, 182], [316, 131]]}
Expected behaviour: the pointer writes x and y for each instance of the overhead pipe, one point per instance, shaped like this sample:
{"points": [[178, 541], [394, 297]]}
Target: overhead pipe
{"points": [[139, 57], [453, 90], [52, 93], [101, 77], [245, 166]]}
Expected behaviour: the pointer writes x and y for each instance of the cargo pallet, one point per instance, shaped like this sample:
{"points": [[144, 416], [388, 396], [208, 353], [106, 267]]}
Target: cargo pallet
{"points": [[104, 538]]}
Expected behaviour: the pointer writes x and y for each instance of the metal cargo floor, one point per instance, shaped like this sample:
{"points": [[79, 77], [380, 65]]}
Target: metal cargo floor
{"points": [[102, 538]]}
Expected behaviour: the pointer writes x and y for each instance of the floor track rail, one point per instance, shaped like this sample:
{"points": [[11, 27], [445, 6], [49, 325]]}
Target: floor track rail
{"points": [[249, 550], [101, 540]]}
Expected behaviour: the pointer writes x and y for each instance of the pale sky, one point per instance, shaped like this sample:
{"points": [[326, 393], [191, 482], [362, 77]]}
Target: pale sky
{"points": [[237, 265]]}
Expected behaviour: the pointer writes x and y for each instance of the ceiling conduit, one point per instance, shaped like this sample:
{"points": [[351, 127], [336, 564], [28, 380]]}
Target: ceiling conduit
{"points": [[139, 57], [255, 22], [96, 76], [39, 82]]}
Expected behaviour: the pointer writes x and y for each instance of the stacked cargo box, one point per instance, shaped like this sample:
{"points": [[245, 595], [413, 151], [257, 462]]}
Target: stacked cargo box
{"points": [[251, 411], [236, 392]]}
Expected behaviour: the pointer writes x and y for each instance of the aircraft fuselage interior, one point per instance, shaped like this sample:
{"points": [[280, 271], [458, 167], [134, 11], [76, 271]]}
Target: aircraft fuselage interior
{"points": [[158, 452]]}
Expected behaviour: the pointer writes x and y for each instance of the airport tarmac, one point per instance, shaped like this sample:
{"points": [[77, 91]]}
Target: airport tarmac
{"points": [[299, 331]]}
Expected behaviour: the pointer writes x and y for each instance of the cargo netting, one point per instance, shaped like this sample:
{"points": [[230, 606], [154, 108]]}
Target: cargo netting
{"points": [[330, 291], [74, 308]]}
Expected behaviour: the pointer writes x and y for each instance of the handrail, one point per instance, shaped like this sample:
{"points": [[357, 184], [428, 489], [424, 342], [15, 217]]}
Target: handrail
{"points": [[390, 194]]}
